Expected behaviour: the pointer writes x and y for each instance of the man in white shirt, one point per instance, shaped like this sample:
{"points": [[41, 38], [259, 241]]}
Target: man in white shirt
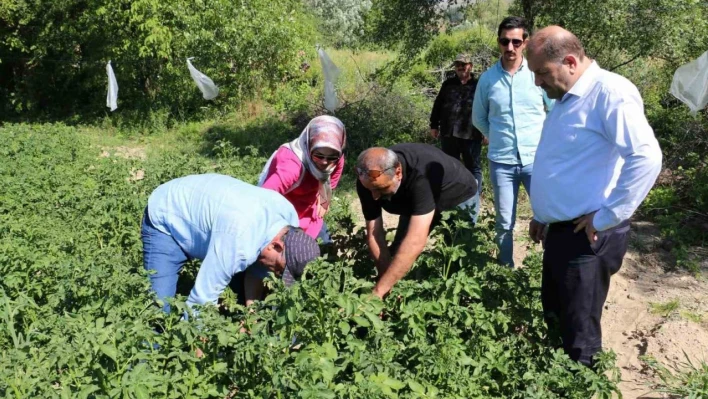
{"points": [[596, 161]]}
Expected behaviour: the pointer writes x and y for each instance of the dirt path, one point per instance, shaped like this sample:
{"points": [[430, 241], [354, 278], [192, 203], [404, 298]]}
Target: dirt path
{"points": [[649, 311]]}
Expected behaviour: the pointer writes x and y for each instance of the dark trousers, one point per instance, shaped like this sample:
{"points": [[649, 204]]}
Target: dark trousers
{"points": [[469, 150], [575, 282]]}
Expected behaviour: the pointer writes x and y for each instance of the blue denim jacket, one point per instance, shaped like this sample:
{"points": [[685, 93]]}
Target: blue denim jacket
{"points": [[509, 111]]}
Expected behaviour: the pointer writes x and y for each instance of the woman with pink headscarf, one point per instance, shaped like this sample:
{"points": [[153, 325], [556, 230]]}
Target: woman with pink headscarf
{"points": [[307, 169]]}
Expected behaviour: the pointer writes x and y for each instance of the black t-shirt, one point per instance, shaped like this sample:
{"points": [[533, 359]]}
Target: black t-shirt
{"points": [[431, 180]]}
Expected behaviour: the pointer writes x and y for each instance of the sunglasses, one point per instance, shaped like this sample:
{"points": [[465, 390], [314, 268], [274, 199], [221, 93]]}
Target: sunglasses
{"points": [[373, 174], [505, 42], [323, 158]]}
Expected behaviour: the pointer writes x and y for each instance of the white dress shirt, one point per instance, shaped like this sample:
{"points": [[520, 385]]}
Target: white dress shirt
{"points": [[597, 153]]}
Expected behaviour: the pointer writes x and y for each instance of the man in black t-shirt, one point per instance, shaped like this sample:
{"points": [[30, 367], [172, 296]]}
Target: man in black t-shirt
{"points": [[417, 182]]}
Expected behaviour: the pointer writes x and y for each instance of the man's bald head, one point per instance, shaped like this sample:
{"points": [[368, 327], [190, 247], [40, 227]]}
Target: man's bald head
{"points": [[383, 183], [378, 158], [557, 59], [554, 43]]}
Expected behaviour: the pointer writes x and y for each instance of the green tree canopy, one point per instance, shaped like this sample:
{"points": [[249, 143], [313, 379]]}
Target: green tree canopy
{"points": [[53, 54], [617, 32]]}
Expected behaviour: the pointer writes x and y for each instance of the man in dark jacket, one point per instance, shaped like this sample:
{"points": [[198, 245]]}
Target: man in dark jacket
{"points": [[451, 118]]}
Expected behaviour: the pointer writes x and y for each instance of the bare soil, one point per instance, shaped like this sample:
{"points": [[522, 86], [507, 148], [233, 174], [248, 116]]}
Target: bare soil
{"points": [[634, 324], [126, 152]]}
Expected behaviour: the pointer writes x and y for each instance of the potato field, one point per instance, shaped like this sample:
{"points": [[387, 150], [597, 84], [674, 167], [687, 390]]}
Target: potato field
{"points": [[79, 321]]}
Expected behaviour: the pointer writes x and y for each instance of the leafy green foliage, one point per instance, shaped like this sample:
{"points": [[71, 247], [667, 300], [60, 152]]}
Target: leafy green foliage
{"points": [[616, 32], [79, 321], [383, 118], [679, 202], [53, 54], [684, 380], [409, 26], [402, 24], [479, 43]]}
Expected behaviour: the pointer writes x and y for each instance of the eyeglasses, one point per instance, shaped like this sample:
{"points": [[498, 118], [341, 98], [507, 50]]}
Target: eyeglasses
{"points": [[505, 42], [323, 158], [373, 174]]}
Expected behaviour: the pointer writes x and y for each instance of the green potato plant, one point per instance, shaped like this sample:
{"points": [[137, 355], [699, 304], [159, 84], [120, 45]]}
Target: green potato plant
{"points": [[79, 320]]}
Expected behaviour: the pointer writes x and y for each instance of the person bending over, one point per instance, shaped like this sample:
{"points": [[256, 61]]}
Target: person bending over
{"points": [[227, 224]]}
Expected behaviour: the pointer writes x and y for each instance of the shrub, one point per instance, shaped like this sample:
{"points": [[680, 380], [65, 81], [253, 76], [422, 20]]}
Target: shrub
{"points": [[384, 118], [478, 42], [340, 22], [54, 54], [679, 201]]}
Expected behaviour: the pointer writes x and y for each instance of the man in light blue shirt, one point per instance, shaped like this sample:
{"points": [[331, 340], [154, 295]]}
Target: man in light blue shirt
{"points": [[226, 223], [509, 109]]}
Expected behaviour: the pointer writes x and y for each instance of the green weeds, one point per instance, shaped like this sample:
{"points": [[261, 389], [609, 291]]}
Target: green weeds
{"points": [[692, 316], [673, 307], [687, 379], [665, 309]]}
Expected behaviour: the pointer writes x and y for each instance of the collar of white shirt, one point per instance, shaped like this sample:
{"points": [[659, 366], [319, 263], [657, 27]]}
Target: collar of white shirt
{"points": [[582, 85]]}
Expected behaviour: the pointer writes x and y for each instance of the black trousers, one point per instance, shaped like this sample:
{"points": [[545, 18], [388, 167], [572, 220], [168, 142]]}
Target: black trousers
{"points": [[575, 282], [469, 150]]}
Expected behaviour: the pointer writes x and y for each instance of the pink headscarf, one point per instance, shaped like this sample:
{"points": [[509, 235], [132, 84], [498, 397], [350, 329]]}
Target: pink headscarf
{"points": [[327, 132], [322, 132]]}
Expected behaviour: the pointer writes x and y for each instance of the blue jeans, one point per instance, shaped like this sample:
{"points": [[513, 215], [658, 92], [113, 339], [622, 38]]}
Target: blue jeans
{"points": [[472, 206], [324, 235], [165, 257], [506, 180]]}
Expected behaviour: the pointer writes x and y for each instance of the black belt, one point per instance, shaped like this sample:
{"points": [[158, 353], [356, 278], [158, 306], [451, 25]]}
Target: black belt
{"points": [[569, 224], [561, 225]]}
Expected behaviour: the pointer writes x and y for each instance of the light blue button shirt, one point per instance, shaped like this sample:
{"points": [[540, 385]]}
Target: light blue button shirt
{"points": [[509, 110], [220, 220]]}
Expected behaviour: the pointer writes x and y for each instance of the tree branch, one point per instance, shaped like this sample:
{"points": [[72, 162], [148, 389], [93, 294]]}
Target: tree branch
{"points": [[624, 63]]}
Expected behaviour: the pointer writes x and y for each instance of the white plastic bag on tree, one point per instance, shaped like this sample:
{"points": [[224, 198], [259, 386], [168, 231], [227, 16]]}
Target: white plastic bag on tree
{"points": [[112, 96], [331, 73], [204, 83], [690, 84]]}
